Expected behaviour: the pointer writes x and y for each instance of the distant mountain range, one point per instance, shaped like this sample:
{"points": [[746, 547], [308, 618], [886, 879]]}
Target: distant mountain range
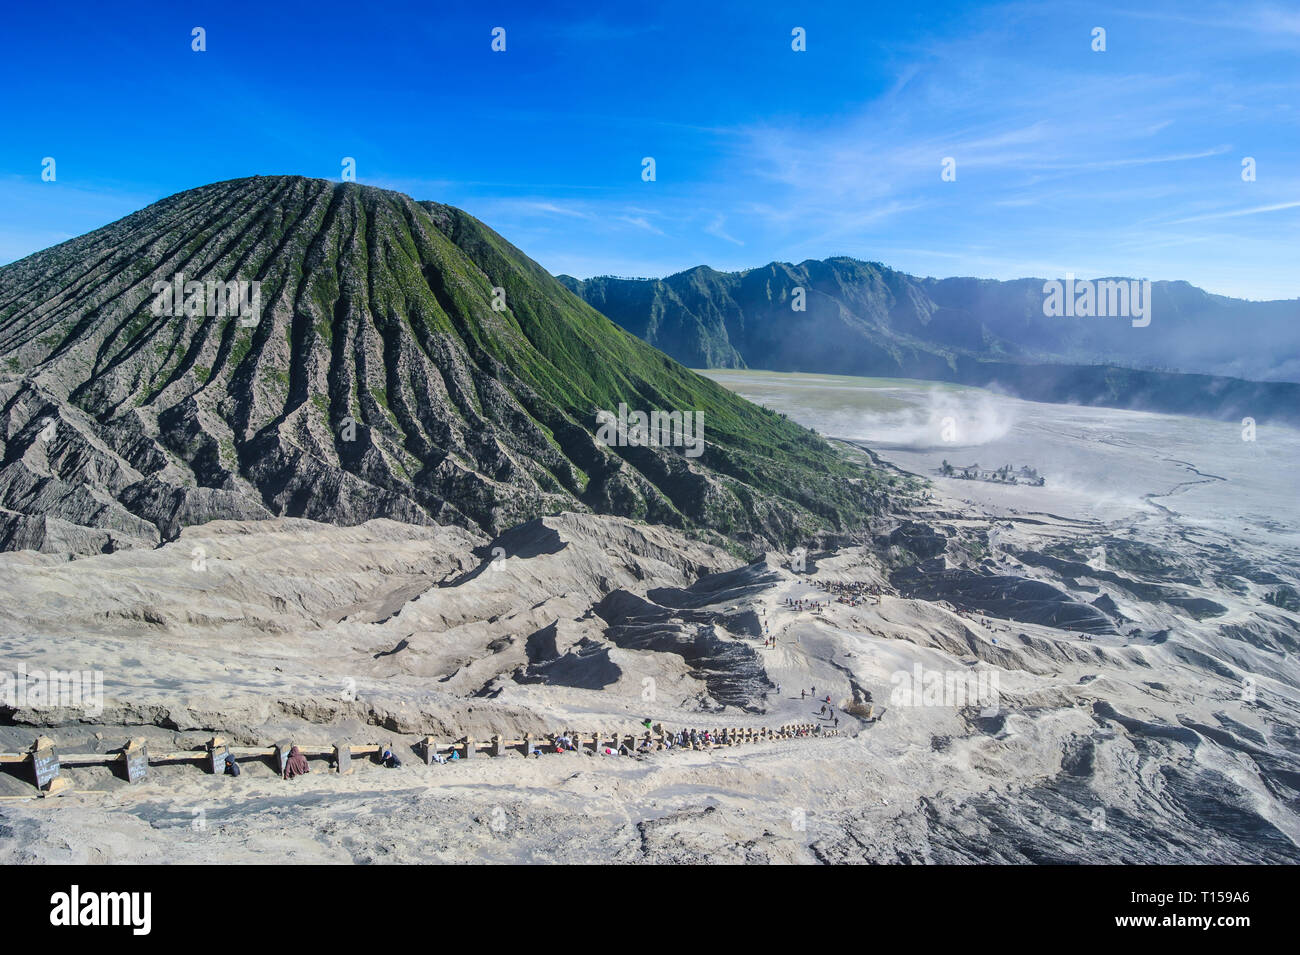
{"points": [[1200, 354], [372, 356]]}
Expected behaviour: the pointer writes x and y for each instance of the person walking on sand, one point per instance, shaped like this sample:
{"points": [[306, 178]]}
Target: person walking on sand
{"points": [[803, 694]]}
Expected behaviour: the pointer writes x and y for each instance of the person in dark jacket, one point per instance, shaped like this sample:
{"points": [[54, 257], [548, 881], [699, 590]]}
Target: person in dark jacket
{"points": [[296, 764]]}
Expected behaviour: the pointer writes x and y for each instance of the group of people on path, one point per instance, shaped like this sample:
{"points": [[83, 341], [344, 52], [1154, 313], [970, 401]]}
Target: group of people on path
{"points": [[798, 603], [827, 711], [852, 593]]}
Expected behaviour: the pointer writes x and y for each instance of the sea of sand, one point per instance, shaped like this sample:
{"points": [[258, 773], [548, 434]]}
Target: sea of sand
{"points": [[1176, 738]]}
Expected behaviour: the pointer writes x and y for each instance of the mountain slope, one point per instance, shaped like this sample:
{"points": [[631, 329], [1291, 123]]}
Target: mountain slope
{"points": [[864, 319], [119, 426]]}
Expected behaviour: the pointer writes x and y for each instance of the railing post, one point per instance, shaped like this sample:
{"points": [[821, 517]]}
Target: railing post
{"points": [[217, 753], [45, 765], [342, 758], [136, 756], [282, 747]]}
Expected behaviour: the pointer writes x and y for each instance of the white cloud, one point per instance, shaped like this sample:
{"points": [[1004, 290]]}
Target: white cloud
{"points": [[715, 228], [1234, 213]]}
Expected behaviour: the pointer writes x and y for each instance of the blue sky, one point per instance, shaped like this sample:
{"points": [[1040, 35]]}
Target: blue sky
{"points": [[1124, 162]]}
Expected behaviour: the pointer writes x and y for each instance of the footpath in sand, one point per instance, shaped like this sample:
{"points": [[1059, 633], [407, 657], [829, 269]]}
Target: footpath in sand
{"points": [[1127, 740]]}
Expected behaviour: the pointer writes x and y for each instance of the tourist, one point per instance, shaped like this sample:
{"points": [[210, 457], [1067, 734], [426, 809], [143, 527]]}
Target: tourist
{"points": [[296, 764]]}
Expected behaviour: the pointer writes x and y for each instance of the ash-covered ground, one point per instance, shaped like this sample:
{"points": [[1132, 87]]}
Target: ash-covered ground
{"points": [[1135, 619]]}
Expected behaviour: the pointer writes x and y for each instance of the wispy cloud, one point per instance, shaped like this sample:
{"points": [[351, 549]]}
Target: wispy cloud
{"points": [[641, 223], [716, 228], [1234, 213], [550, 208]]}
